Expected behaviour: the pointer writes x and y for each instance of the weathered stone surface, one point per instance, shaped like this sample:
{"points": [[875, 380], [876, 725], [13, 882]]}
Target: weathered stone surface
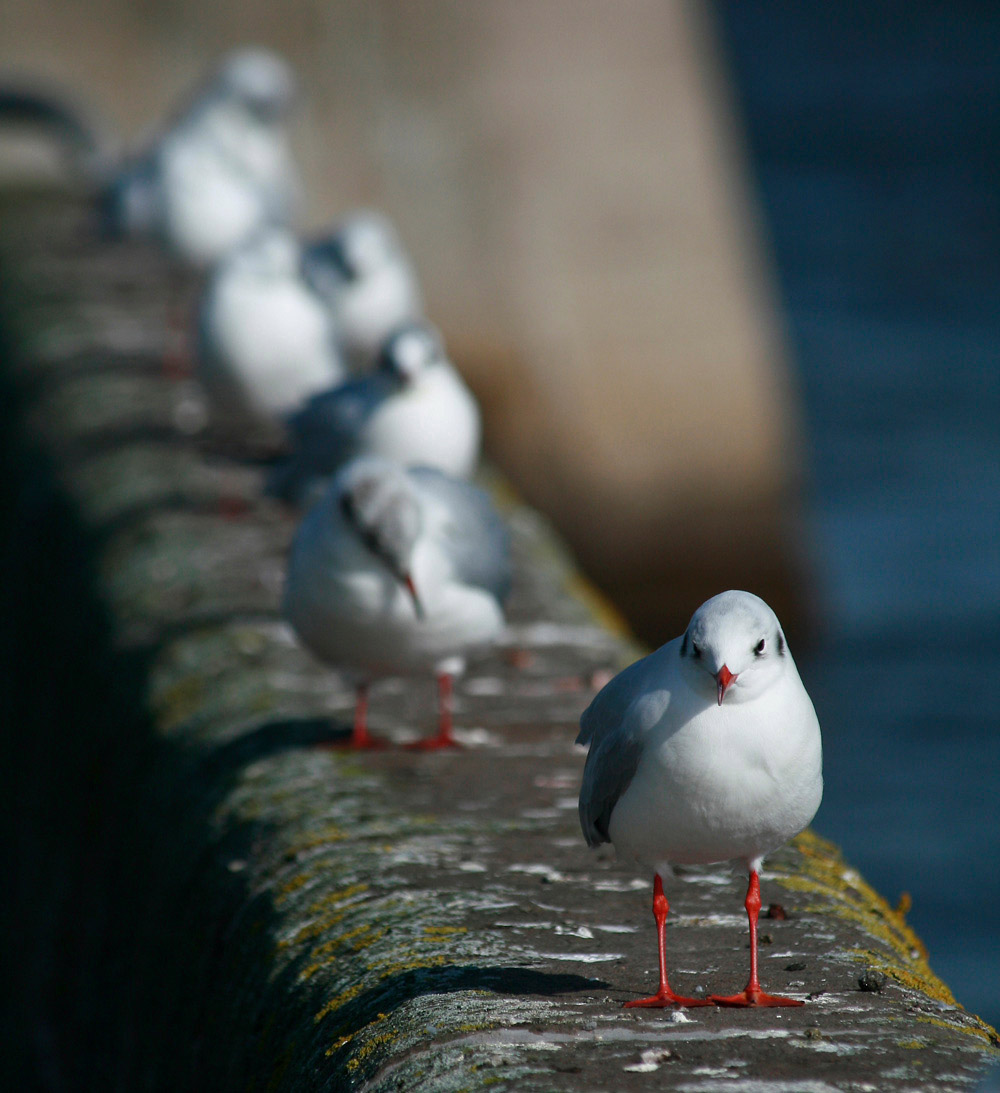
{"points": [[313, 919]]}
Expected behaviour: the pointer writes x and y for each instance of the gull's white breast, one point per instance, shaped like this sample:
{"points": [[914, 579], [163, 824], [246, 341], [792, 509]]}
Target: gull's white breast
{"points": [[716, 783], [268, 344], [434, 424]]}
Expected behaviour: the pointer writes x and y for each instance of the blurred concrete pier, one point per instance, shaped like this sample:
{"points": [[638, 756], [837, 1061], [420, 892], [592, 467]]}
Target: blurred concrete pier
{"points": [[209, 899]]}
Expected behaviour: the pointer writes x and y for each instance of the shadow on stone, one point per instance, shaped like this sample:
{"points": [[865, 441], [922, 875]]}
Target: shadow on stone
{"points": [[276, 737]]}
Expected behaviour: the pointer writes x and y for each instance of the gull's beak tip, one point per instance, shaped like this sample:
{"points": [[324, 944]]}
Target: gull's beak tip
{"points": [[412, 589], [725, 680]]}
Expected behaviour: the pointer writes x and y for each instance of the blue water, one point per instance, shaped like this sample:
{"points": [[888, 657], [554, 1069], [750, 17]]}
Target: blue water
{"points": [[874, 134]]}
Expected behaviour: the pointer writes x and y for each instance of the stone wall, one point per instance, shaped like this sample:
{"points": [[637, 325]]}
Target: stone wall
{"points": [[211, 899]]}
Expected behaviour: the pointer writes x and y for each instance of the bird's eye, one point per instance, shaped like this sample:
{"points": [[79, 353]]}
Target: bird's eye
{"points": [[695, 651], [759, 648]]}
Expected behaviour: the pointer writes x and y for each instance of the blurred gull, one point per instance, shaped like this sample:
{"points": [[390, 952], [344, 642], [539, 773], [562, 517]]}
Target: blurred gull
{"points": [[414, 410], [266, 340], [398, 572], [221, 170], [707, 750], [363, 272]]}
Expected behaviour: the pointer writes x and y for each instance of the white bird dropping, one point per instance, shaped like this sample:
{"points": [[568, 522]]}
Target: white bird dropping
{"points": [[398, 572], [707, 750]]}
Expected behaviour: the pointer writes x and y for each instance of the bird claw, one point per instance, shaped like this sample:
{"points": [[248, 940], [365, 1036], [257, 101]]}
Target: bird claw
{"points": [[750, 997], [662, 999], [433, 743]]}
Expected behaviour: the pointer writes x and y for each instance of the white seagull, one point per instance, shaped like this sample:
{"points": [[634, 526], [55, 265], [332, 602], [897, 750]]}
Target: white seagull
{"points": [[221, 171], [414, 410], [266, 341], [707, 750], [366, 277], [398, 572]]}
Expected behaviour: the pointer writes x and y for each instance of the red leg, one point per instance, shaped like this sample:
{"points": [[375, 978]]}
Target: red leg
{"points": [[752, 995], [664, 996], [232, 507], [444, 738], [177, 363], [360, 739]]}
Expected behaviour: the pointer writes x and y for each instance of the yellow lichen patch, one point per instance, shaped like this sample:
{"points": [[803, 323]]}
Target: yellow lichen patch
{"points": [[476, 1026], [850, 897], [911, 976], [338, 1000], [293, 885], [911, 1045], [445, 931], [387, 970], [982, 1030], [383, 1039], [362, 936], [178, 703], [365, 1050], [263, 702], [369, 939], [314, 929], [326, 835], [339, 1043], [333, 898]]}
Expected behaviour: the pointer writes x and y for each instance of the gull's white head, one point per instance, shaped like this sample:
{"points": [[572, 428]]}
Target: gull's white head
{"points": [[369, 242], [410, 351], [259, 80], [360, 247], [734, 647]]}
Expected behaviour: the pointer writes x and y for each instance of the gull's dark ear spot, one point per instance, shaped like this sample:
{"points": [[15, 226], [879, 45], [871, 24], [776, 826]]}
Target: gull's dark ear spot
{"points": [[684, 645], [781, 643]]}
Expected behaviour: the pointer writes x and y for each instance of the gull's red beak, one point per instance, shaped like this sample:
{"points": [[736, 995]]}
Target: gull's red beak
{"points": [[417, 605], [725, 680]]}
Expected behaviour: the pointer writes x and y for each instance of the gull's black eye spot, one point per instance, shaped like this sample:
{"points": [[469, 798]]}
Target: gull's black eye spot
{"points": [[759, 648], [695, 651]]}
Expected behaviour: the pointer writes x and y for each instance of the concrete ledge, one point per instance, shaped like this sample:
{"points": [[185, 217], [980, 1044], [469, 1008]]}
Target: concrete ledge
{"points": [[289, 917]]}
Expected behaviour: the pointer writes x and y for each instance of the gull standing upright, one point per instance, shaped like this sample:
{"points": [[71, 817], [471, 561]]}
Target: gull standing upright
{"points": [[414, 410], [707, 750], [398, 572], [266, 342], [220, 171], [366, 277]]}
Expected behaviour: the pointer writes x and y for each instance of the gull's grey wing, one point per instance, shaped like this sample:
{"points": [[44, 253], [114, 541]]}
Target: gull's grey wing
{"points": [[611, 766], [474, 536], [325, 433], [608, 707], [614, 730]]}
